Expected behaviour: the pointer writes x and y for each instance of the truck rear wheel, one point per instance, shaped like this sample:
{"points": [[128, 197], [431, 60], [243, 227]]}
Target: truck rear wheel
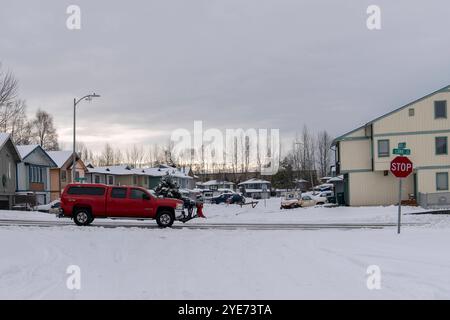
{"points": [[82, 217], [165, 219]]}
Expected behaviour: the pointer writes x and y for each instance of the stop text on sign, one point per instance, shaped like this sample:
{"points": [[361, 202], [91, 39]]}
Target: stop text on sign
{"points": [[401, 166]]}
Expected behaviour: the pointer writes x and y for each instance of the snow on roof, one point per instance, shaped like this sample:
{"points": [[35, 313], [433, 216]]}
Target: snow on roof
{"points": [[25, 150], [254, 180], [60, 157], [336, 179], [216, 182], [126, 170], [114, 170], [3, 138]]}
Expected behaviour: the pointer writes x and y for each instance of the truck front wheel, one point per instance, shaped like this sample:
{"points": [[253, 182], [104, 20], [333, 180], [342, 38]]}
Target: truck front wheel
{"points": [[82, 217], [165, 219]]}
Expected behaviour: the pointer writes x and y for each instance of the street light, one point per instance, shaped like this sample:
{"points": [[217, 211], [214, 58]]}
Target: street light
{"points": [[88, 97]]}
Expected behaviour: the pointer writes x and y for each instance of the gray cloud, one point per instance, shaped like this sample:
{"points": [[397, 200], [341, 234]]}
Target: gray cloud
{"points": [[160, 65]]}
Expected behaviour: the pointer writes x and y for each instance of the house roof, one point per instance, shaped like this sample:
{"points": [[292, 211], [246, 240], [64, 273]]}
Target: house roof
{"points": [[444, 89], [216, 182], [114, 170], [253, 180], [26, 150], [60, 157], [4, 138], [127, 170]]}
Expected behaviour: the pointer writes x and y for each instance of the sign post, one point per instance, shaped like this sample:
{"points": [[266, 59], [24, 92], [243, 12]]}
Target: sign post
{"points": [[401, 167]]}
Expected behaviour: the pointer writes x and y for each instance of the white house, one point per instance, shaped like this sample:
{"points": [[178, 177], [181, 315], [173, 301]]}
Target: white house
{"points": [[363, 155], [255, 188], [214, 185]]}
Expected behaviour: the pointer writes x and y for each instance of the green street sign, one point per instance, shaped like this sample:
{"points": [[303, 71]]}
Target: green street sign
{"points": [[80, 179], [402, 152], [402, 145]]}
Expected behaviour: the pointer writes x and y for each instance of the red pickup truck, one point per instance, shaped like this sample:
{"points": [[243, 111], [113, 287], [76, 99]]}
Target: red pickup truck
{"points": [[85, 202]]}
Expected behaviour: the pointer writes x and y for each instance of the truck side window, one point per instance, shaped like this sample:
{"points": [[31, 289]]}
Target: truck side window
{"points": [[119, 193], [137, 194]]}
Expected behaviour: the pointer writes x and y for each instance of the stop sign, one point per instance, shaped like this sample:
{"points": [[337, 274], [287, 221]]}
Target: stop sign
{"points": [[401, 167]]}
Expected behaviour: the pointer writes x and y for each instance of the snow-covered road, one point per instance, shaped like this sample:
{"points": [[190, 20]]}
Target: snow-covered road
{"points": [[241, 263]]}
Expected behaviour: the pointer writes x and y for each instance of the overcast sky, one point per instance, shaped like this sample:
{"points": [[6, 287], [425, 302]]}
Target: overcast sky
{"points": [[160, 65]]}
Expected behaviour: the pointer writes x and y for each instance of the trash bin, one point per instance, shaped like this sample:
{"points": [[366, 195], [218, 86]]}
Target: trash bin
{"points": [[340, 198]]}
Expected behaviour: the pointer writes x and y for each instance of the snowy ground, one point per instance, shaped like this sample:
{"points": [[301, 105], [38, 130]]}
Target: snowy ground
{"points": [[127, 263]]}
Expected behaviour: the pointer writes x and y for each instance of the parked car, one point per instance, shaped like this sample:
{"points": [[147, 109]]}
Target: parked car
{"points": [[52, 207], [86, 202], [291, 200], [309, 200], [236, 198], [221, 198]]}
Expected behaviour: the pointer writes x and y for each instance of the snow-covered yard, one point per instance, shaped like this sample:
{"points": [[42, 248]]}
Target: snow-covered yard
{"points": [[137, 263]]}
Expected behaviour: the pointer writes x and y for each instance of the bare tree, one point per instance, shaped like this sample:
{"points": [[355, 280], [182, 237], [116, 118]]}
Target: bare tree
{"points": [[135, 156], [44, 132], [8, 87], [86, 155], [106, 158], [323, 152]]}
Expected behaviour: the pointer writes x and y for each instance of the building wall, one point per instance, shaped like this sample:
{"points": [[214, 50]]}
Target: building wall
{"points": [[423, 153], [55, 185], [373, 188], [426, 180], [355, 155], [423, 119], [7, 169]]}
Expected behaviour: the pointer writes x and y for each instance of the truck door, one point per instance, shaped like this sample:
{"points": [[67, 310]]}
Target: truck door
{"points": [[117, 204], [140, 204]]}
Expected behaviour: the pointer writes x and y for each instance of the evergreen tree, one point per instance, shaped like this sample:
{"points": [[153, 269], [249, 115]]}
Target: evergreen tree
{"points": [[168, 188]]}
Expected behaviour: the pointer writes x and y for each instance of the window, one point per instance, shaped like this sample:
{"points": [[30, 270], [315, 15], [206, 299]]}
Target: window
{"points": [[135, 180], [77, 175], [96, 179], [89, 191], [440, 109], [110, 180], [441, 145], [442, 181], [63, 175], [411, 112], [137, 194], [119, 193], [383, 148], [35, 174]]}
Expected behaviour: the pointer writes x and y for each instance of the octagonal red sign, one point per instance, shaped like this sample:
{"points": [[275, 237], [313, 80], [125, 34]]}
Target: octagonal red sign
{"points": [[401, 167]]}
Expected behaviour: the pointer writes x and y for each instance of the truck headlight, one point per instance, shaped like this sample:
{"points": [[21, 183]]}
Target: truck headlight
{"points": [[179, 206]]}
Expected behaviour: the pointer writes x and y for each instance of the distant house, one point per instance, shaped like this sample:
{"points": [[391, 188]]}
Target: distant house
{"points": [[182, 177], [61, 175], [143, 177], [9, 158], [255, 188], [121, 175], [33, 173], [214, 185]]}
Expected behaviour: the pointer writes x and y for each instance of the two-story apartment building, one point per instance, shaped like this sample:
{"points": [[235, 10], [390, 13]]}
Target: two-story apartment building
{"points": [[363, 155]]}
